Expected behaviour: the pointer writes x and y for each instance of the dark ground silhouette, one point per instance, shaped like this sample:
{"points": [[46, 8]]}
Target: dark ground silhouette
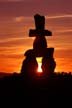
{"points": [[41, 87], [36, 92]]}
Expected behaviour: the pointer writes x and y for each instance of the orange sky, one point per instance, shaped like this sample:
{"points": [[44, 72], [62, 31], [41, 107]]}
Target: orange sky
{"points": [[15, 22]]}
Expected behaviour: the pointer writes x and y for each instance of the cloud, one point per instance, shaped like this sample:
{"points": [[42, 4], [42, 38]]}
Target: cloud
{"points": [[19, 19], [15, 56], [64, 32], [16, 42], [20, 0], [30, 7], [11, 0], [59, 16]]}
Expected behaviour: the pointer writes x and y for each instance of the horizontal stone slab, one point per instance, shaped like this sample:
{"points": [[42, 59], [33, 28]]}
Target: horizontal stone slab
{"points": [[33, 53]]}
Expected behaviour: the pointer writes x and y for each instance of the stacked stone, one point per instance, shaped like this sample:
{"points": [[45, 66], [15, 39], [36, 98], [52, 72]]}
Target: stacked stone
{"points": [[29, 65]]}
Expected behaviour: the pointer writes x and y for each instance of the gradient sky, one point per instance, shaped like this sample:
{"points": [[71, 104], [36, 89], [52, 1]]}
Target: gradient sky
{"points": [[16, 18]]}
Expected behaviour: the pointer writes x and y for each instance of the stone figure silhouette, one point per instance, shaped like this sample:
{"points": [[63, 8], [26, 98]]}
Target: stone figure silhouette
{"points": [[29, 65]]}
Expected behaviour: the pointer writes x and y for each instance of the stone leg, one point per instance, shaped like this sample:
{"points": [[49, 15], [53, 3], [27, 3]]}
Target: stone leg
{"points": [[48, 63]]}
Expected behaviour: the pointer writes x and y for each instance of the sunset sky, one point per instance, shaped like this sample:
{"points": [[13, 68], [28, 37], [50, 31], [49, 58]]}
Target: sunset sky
{"points": [[16, 18]]}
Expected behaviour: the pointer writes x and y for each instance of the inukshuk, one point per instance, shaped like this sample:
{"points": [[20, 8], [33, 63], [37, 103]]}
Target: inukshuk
{"points": [[30, 65]]}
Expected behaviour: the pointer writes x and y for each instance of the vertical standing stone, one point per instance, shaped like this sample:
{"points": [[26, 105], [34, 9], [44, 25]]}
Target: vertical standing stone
{"points": [[48, 63]]}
